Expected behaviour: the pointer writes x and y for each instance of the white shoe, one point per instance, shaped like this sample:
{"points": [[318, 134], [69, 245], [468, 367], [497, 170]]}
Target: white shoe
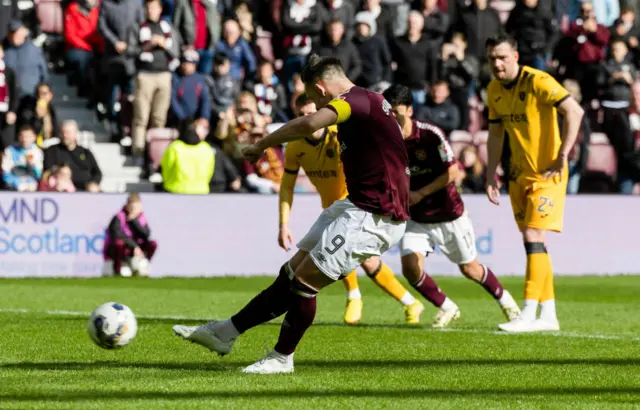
{"points": [[445, 316], [272, 363], [140, 266], [509, 306], [542, 325], [125, 271], [206, 336]]}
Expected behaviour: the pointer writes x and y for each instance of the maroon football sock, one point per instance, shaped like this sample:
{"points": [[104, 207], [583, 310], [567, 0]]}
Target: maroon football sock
{"points": [[268, 304], [491, 283], [302, 311], [428, 288]]}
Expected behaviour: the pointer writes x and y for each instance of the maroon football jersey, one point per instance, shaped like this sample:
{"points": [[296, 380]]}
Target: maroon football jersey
{"points": [[430, 155], [373, 153]]}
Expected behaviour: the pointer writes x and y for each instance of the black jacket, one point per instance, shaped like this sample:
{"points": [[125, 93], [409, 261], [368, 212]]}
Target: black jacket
{"points": [[414, 60], [138, 231], [27, 115], [459, 74], [376, 60], [348, 55], [445, 115], [535, 30], [84, 167], [478, 26], [224, 172]]}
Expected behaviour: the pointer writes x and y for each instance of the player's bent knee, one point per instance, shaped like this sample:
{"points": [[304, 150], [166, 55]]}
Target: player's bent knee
{"points": [[412, 267], [372, 266], [308, 273], [297, 259], [533, 235], [472, 270]]}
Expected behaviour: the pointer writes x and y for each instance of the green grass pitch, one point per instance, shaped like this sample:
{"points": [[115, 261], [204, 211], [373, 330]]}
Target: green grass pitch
{"points": [[48, 361]]}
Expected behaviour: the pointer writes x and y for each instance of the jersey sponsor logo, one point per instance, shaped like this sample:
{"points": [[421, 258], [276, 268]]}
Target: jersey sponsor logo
{"points": [[515, 118], [322, 174], [421, 155]]}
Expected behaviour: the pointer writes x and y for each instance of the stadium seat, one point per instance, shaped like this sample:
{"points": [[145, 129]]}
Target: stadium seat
{"points": [[459, 140], [50, 15], [602, 158], [263, 42], [158, 140]]}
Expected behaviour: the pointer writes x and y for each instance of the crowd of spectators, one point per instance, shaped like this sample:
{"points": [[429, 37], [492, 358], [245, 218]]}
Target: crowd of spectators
{"points": [[223, 73]]}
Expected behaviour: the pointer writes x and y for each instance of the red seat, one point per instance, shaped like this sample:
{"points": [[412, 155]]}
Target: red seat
{"points": [[158, 140], [50, 15], [602, 158], [459, 140]]}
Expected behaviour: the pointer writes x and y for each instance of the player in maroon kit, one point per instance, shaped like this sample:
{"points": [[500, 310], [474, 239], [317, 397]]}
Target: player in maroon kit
{"points": [[438, 217], [365, 224]]}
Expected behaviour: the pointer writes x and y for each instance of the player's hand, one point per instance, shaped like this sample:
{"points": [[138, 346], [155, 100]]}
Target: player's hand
{"points": [[493, 191], [138, 252], [556, 168], [285, 240], [415, 197], [252, 153]]}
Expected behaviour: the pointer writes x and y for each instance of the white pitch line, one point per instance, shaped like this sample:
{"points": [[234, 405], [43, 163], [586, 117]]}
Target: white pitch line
{"points": [[572, 335]]}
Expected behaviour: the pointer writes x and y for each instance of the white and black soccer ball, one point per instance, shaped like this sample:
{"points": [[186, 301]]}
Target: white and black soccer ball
{"points": [[112, 325]]}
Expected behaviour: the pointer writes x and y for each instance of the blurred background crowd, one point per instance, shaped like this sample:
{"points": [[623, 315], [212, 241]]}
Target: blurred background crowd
{"points": [[180, 86]]}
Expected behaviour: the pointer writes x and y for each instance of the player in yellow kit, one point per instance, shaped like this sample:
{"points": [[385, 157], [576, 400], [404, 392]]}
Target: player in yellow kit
{"points": [[525, 103], [320, 159]]}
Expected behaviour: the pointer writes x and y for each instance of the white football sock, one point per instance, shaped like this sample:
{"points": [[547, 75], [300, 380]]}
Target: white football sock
{"points": [[354, 294], [506, 299], [529, 310], [226, 330], [448, 304], [407, 299], [548, 310]]}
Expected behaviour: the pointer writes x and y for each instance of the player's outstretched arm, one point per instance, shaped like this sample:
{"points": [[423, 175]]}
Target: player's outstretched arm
{"points": [[572, 114], [494, 153], [449, 176], [287, 186], [299, 128]]}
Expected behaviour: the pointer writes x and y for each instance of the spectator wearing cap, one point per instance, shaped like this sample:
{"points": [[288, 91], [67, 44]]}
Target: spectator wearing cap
{"points": [[22, 163], [374, 52], [9, 99], [222, 89], [439, 109], [338, 46], [82, 39], [85, 169], [198, 22], [270, 93], [340, 10], [189, 91], [155, 47], [25, 59], [241, 57]]}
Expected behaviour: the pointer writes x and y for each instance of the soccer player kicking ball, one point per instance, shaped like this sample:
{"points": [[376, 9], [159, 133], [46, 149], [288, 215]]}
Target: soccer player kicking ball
{"points": [[346, 234], [438, 217], [524, 102], [319, 156]]}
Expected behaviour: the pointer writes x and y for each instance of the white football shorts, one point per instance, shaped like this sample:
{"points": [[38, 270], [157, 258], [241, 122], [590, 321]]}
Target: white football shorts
{"points": [[344, 236], [456, 239]]}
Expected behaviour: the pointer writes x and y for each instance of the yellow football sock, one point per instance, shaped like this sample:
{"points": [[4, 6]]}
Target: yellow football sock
{"points": [[386, 279], [548, 292], [351, 281], [539, 269]]}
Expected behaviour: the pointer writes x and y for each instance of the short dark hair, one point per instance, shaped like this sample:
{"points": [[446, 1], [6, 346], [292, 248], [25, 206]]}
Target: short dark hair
{"points": [[152, 1], [26, 127], [398, 95], [335, 20], [496, 40], [320, 67], [440, 81], [220, 58], [302, 100]]}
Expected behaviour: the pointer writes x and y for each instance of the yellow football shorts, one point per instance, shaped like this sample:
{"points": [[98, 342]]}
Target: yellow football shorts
{"points": [[539, 203]]}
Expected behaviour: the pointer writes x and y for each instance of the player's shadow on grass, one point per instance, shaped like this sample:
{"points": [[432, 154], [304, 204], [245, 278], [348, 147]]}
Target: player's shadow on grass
{"points": [[321, 364], [92, 395]]}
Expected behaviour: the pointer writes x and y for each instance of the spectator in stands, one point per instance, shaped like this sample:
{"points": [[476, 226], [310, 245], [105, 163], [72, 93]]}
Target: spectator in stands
{"points": [[460, 70], [580, 151], [625, 29], [244, 16], [536, 31], [474, 174], [57, 179], [589, 40], [128, 243], [22, 163], [198, 23], [241, 57], [187, 165], [39, 113], [25, 59], [8, 11], [413, 57], [222, 89], [114, 21], [341, 10], [384, 17], [264, 176], [155, 47], [190, 92], [436, 22], [338, 46], [85, 169], [478, 22], [301, 28], [9, 99], [82, 39], [617, 77], [269, 92], [374, 53], [605, 11], [439, 109], [226, 177]]}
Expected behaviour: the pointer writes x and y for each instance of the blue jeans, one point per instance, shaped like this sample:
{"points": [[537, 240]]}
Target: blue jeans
{"points": [[625, 184], [205, 66], [419, 98], [573, 185], [117, 82], [292, 65], [80, 60]]}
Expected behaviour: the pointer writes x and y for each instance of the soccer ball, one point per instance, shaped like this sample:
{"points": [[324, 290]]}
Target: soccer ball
{"points": [[112, 325]]}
